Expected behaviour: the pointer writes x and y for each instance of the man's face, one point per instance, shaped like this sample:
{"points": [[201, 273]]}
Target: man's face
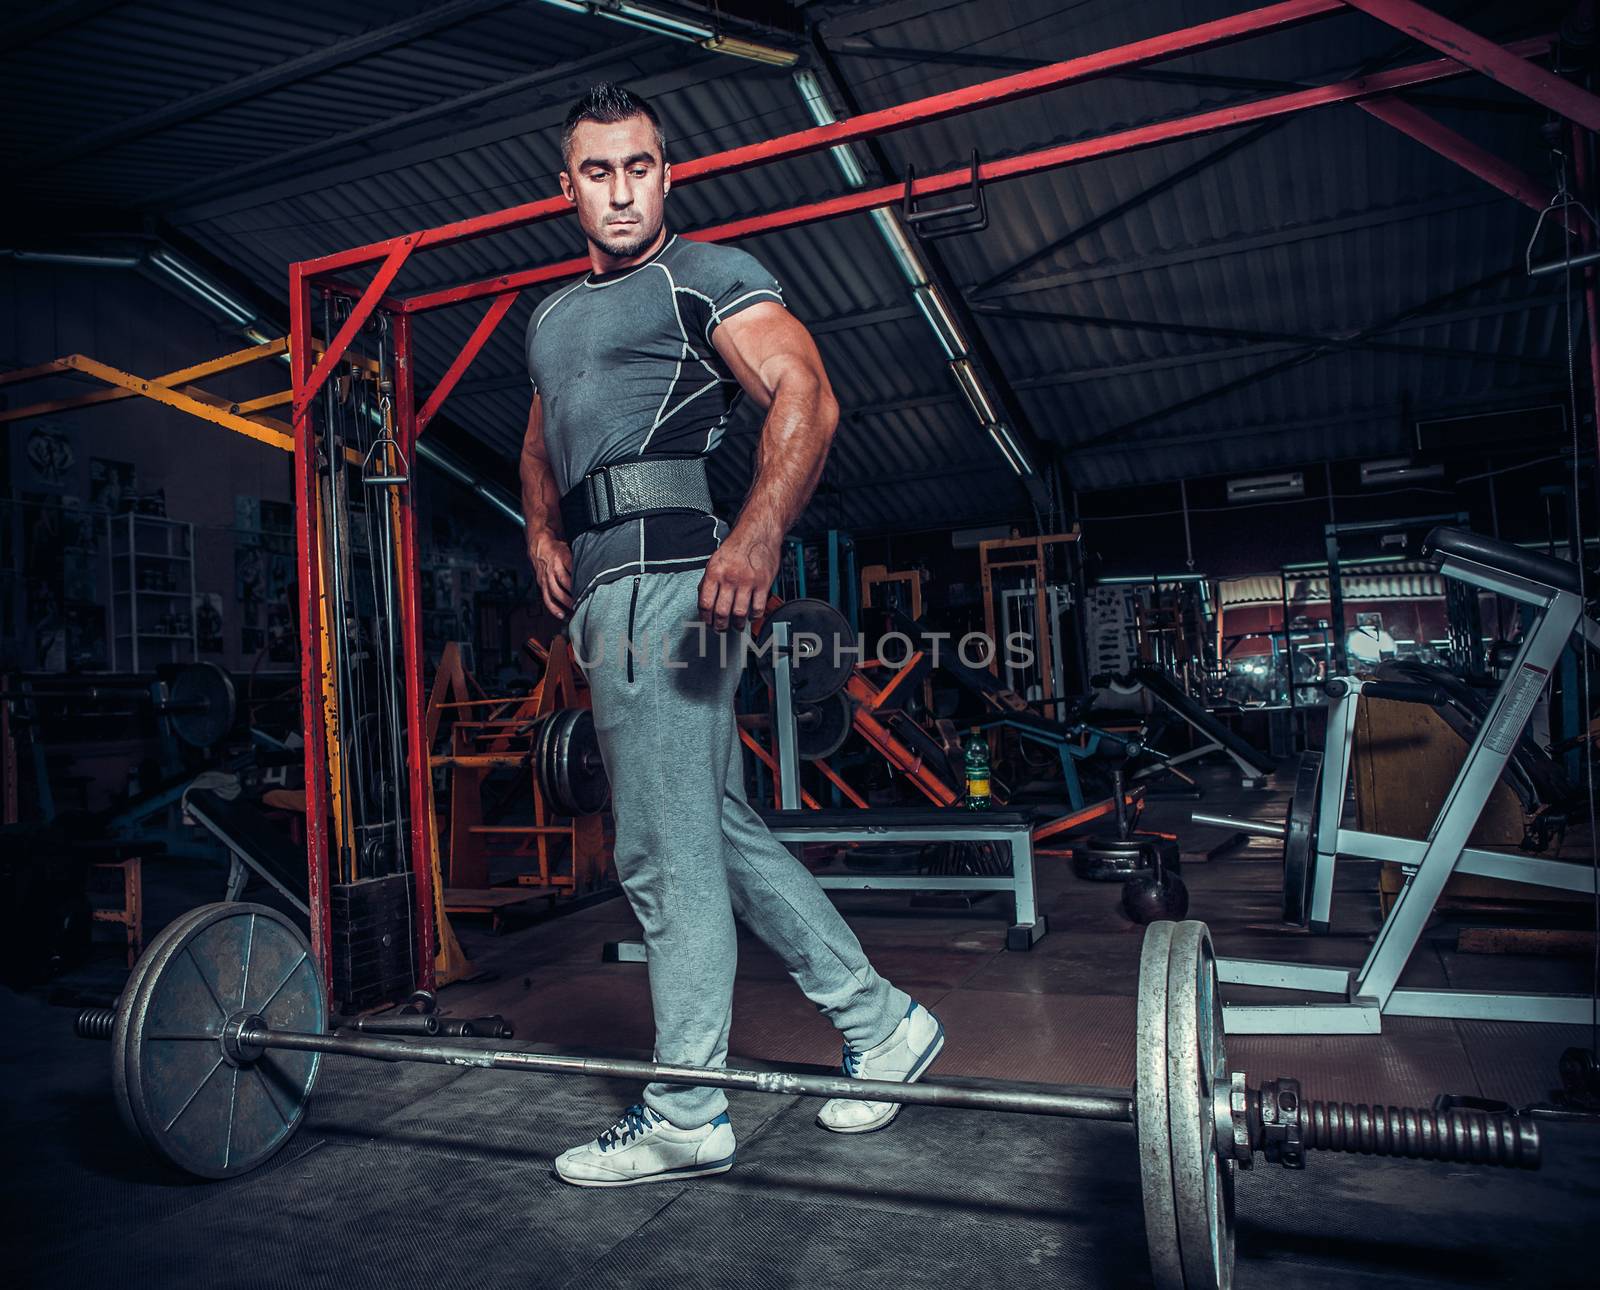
{"points": [[616, 178]]}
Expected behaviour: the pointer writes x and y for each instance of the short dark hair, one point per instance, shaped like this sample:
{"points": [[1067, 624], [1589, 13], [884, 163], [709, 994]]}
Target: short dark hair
{"points": [[609, 103]]}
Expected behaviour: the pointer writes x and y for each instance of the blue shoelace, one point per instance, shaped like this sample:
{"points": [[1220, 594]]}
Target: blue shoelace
{"points": [[635, 1121], [852, 1061]]}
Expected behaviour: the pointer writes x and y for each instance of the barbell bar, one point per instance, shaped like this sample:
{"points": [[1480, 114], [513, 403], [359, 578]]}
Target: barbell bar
{"points": [[219, 1035], [1255, 828], [565, 759], [200, 702], [1298, 833]]}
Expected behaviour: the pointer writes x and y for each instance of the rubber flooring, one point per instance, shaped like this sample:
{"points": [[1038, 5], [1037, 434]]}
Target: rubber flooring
{"points": [[436, 1176]]}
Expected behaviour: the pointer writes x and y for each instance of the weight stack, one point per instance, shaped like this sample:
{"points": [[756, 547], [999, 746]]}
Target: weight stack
{"points": [[373, 940]]}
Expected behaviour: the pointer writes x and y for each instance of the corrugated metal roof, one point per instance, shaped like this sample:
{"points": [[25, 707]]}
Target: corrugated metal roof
{"points": [[1324, 226]]}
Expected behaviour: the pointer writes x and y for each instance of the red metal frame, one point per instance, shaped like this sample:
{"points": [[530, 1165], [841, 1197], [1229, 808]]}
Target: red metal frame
{"points": [[1434, 134], [359, 314], [1483, 55], [410, 583], [1505, 64], [469, 351], [1583, 187], [308, 551], [1189, 40], [1028, 163]]}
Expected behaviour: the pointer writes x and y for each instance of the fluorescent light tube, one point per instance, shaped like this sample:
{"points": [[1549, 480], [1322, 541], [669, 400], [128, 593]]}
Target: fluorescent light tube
{"points": [[932, 305], [968, 380]]}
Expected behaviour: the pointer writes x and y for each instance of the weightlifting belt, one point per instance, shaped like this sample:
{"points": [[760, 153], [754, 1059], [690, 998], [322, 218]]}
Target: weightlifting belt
{"points": [[630, 489]]}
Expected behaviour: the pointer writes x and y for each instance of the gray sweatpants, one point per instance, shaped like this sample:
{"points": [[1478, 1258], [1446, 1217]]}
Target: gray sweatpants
{"points": [[690, 851]]}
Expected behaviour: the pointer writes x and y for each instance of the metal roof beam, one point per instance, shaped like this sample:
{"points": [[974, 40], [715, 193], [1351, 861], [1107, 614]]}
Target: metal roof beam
{"points": [[1274, 431], [1176, 178], [872, 17], [1013, 62], [1487, 56], [46, 20], [257, 83], [1158, 75], [1093, 225], [1434, 135], [1275, 17], [1037, 453], [956, 470], [1308, 355], [1262, 343], [673, 71], [1247, 243], [1258, 337]]}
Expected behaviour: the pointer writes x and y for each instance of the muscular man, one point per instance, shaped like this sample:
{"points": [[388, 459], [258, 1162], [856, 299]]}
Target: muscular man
{"points": [[635, 370]]}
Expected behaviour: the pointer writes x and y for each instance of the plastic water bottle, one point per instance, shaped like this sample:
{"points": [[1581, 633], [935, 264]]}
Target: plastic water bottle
{"points": [[976, 758]]}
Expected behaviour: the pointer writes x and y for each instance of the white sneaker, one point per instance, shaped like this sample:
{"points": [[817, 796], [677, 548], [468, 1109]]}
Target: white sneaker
{"points": [[902, 1058], [645, 1147]]}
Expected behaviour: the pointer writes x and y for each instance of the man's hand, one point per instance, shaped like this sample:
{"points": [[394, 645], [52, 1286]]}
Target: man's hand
{"points": [[548, 552], [776, 362], [552, 565], [738, 577]]}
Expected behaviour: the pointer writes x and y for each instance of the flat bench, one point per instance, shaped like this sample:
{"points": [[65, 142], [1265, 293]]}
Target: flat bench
{"points": [[1009, 826], [253, 844]]}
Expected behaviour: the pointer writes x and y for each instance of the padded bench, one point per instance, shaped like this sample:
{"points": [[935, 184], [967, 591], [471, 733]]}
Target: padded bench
{"points": [[1008, 825], [254, 845]]}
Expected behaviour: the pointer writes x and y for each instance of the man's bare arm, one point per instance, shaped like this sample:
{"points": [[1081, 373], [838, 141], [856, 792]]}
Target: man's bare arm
{"points": [[774, 358], [541, 509]]}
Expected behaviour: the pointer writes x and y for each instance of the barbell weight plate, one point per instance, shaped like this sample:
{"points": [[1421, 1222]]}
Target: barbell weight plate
{"points": [[1300, 840], [1113, 859], [560, 793], [203, 704], [580, 774], [119, 1034], [201, 1111], [543, 767], [1202, 1177], [829, 728], [824, 648], [123, 1028], [1152, 1119]]}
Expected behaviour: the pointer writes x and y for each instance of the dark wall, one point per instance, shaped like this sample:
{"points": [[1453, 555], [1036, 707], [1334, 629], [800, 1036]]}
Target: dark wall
{"points": [[58, 487], [54, 498], [1131, 531]]}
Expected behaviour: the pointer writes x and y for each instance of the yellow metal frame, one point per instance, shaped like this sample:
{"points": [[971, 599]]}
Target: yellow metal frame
{"points": [[173, 391]]}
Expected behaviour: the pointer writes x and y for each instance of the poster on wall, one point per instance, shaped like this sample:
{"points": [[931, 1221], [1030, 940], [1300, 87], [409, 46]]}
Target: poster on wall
{"points": [[282, 640], [264, 579], [113, 485], [246, 518], [77, 576], [51, 457], [80, 526], [85, 642], [60, 540], [277, 527], [208, 621]]}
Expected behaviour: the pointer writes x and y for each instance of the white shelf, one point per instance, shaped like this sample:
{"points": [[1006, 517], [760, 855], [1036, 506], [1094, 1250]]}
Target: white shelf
{"points": [[131, 544]]}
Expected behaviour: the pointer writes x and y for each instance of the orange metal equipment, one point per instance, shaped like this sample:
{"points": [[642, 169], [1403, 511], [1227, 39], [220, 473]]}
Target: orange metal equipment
{"points": [[487, 733]]}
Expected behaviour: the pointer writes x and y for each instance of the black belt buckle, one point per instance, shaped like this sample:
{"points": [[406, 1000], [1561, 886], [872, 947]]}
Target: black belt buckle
{"points": [[602, 497]]}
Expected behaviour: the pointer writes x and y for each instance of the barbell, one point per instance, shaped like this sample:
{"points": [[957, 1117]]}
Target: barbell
{"points": [[199, 702], [218, 1037], [564, 757], [571, 773], [823, 650], [1299, 834], [567, 762]]}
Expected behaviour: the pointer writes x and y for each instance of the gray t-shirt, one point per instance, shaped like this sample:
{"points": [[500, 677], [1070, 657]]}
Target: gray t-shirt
{"points": [[624, 368]]}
